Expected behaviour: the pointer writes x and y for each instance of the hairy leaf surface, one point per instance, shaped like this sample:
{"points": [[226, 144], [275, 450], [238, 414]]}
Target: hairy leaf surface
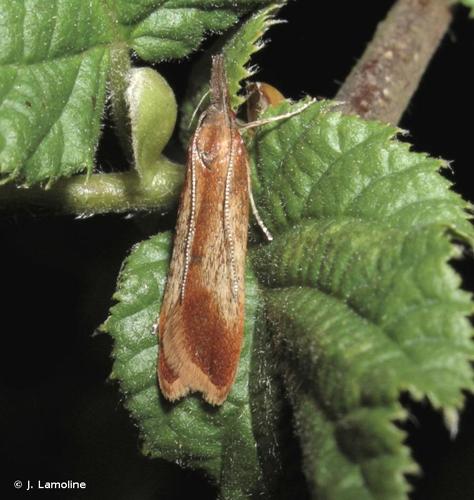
{"points": [[360, 297], [218, 441], [54, 64], [361, 305]]}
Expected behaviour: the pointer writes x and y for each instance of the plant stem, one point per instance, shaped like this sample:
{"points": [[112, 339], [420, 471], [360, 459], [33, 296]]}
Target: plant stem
{"points": [[380, 86], [382, 83], [100, 193]]}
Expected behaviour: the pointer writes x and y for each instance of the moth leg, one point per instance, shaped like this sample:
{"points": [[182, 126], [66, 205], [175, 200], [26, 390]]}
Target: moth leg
{"points": [[271, 119], [192, 215], [197, 108], [259, 220], [227, 226]]}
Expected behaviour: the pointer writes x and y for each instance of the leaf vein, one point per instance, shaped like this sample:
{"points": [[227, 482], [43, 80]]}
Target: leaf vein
{"points": [[342, 157], [374, 181], [59, 116], [53, 30], [9, 89]]}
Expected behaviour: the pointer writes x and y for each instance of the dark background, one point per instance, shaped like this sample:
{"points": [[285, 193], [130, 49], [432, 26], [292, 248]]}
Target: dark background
{"points": [[60, 417]]}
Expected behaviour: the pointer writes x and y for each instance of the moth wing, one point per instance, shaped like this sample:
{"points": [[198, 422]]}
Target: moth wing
{"points": [[201, 329], [168, 377]]}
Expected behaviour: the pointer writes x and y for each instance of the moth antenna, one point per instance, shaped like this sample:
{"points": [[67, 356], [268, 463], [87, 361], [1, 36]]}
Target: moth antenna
{"points": [[228, 234], [259, 220], [220, 100], [271, 119], [196, 109]]}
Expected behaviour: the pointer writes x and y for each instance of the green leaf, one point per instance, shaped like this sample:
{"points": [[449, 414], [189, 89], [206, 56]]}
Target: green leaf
{"points": [[237, 48], [53, 66], [167, 29], [55, 59], [190, 432], [357, 456], [360, 299], [361, 305]]}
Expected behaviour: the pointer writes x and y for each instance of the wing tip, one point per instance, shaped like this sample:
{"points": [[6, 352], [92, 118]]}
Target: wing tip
{"points": [[190, 379]]}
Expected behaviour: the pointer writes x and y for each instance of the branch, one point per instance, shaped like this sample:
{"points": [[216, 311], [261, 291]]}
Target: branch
{"points": [[382, 83], [100, 193]]}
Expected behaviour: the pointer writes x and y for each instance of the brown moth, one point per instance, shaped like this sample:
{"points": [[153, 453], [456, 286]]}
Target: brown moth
{"points": [[201, 320], [202, 315]]}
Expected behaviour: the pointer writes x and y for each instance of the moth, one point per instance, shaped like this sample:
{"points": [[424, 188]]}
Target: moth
{"points": [[201, 321]]}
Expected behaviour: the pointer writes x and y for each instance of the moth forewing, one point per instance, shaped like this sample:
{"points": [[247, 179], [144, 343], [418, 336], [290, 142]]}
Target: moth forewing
{"points": [[202, 316]]}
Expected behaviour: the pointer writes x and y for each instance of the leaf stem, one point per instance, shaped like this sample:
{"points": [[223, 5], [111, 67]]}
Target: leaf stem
{"points": [[100, 193], [382, 83]]}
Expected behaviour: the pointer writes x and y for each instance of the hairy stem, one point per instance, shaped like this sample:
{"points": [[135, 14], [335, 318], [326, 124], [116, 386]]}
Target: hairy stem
{"points": [[382, 83], [100, 193]]}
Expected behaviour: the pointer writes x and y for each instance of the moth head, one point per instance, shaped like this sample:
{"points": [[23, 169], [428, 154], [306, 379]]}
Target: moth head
{"points": [[213, 137]]}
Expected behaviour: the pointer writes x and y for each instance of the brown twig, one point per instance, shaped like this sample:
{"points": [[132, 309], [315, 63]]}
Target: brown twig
{"points": [[382, 83]]}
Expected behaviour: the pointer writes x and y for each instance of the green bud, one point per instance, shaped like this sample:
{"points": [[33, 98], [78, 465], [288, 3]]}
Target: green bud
{"points": [[153, 110]]}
